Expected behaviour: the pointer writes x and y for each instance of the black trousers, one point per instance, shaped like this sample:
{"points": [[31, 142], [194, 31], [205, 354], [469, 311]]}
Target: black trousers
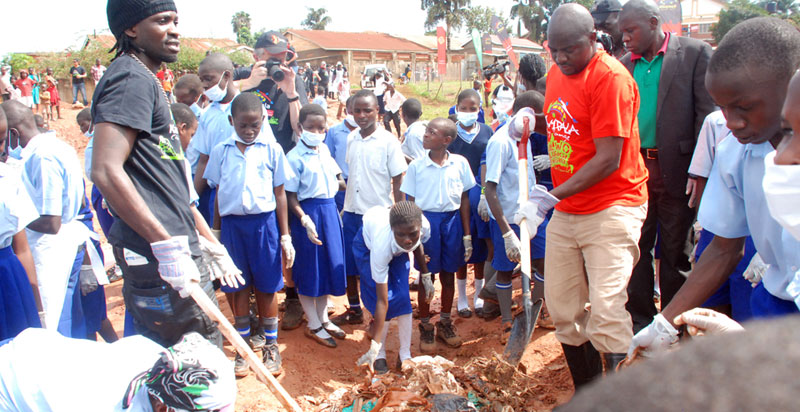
{"points": [[669, 220], [159, 313]]}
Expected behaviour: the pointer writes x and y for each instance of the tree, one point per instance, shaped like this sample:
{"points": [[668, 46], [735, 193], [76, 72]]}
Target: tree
{"points": [[316, 19], [241, 28], [480, 17], [452, 12], [784, 8], [18, 61], [737, 12], [536, 14]]}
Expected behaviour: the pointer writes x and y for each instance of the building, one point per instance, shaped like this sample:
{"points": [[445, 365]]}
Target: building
{"points": [[356, 50], [201, 44], [698, 16]]}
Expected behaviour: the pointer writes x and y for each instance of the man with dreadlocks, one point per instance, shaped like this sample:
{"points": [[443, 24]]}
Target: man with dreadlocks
{"points": [[381, 249], [133, 374], [138, 165]]}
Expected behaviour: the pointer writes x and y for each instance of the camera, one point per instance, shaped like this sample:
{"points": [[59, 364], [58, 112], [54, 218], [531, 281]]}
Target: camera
{"points": [[274, 71], [605, 40], [494, 68]]}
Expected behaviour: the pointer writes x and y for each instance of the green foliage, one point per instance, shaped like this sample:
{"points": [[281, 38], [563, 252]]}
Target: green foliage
{"points": [[316, 19], [737, 12], [480, 17], [536, 15], [18, 61], [242, 28], [453, 12]]}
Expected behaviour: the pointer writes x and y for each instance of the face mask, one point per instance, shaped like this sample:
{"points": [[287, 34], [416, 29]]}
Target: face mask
{"points": [[521, 89], [217, 93], [239, 139], [782, 191], [467, 136], [312, 139], [14, 153], [409, 250], [502, 116], [89, 134], [351, 120], [467, 118], [196, 108]]}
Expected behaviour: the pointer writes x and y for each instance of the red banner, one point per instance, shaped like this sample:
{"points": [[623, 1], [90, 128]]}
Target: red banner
{"points": [[441, 42]]}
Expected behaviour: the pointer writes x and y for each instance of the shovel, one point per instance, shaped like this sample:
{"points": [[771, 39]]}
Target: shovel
{"points": [[525, 322]]}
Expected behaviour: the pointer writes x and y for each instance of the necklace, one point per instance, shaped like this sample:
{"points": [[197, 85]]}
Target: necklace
{"points": [[158, 82]]}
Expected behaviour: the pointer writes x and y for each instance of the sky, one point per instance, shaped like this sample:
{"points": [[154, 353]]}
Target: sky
{"points": [[55, 25]]}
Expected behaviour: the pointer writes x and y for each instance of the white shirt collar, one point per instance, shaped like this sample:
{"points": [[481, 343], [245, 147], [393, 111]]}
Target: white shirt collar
{"points": [[429, 162]]}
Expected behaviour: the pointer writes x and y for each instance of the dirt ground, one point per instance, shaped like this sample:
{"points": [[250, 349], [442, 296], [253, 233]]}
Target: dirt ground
{"points": [[314, 372]]}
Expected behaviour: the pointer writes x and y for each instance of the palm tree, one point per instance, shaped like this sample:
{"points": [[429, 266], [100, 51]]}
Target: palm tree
{"points": [[452, 12], [316, 19], [239, 20], [785, 8]]}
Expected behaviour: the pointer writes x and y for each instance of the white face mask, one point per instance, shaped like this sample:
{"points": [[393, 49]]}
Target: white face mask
{"points": [[217, 93], [312, 139], [782, 191], [467, 119], [351, 120], [239, 139]]}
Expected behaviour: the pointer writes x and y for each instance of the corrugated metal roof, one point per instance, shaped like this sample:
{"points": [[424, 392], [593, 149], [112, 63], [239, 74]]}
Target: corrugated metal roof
{"points": [[368, 41], [515, 42], [106, 41]]}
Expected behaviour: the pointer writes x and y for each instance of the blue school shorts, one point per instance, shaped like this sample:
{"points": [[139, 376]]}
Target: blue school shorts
{"points": [[351, 224], [764, 305], [254, 245], [478, 229], [445, 246], [500, 261], [397, 283]]}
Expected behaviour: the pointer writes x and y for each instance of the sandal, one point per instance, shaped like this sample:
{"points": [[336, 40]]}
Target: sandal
{"points": [[465, 313], [334, 330], [329, 342]]}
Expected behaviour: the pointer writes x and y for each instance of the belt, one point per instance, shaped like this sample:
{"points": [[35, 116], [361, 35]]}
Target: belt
{"points": [[650, 154]]}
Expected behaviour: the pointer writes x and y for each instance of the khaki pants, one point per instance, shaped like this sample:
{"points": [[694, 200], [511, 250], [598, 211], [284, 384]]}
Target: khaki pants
{"points": [[589, 259]]}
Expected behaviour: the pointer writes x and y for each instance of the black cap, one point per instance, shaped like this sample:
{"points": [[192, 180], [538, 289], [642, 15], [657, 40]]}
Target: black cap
{"points": [[273, 42], [124, 14], [604, 7]]}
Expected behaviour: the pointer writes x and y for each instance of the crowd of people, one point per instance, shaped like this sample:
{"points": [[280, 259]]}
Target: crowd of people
{"points": [[658, 170]]}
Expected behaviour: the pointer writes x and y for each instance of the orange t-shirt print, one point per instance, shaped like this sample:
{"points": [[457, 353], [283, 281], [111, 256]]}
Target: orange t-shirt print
{"points": [[600, 101]]}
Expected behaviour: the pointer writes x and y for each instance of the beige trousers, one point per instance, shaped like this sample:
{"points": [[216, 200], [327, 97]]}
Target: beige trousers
{"points": [[589, 259]]}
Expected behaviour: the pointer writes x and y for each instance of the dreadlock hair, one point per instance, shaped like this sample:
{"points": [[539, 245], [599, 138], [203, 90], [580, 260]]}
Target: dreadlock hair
{"points": [[124, 45], [404, 213]]}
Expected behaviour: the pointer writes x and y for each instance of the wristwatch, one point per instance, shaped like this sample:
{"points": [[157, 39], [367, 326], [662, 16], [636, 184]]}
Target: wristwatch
{"points": [[293, 99]]}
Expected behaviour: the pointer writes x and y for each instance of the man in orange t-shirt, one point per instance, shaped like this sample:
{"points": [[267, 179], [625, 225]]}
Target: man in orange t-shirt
{"points": [[600, 195]]}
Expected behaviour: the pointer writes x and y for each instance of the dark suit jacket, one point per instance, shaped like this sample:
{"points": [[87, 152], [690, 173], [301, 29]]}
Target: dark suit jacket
{"points": [[683, 104]]}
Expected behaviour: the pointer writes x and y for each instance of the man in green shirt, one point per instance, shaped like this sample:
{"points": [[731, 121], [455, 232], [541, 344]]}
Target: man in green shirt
{"points": [[670, 72]]}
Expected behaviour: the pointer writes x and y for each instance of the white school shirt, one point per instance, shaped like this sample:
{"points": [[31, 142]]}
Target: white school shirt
{"points": [[412, 141], [16, 207], [502, 168], [321, 101], [734, 206], [82, 375], [714, 130], [392, 102], [315, 172], [53, 176], [438, 188], [245, 182], [336, 140], [373, 161], [87, 157], [380, 86], [380, 241]]}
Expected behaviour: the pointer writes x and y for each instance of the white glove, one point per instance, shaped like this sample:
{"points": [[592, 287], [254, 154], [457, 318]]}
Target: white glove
{"points": [[755, 270], [288, 250], [467, 247], [656, 337], [511, 243], [541, 162], [220, 263], [311, 230], [175, 264], [483, 208], [535, 210], [427, 285], [88, 280], [369, 357], [701, 321]]}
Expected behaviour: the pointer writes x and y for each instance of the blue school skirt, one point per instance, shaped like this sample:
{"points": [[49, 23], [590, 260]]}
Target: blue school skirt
{"points": [[253, 242], [319, 270], [351, 224], [17, 305], [103, 216], [446, 246], [72, 322], [500, 261], [737, 290], [478, 229], [399, 267]]}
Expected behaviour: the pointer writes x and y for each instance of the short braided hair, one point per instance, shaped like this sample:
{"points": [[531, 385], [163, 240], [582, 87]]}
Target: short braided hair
{"points": [[403, 213]]}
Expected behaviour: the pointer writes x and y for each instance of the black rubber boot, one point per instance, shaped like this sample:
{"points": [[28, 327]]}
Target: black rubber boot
{"points": [[611, 360], [584, 363]]}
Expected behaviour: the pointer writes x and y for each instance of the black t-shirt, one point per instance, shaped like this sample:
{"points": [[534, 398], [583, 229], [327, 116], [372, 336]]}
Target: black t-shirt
{"points": [[277, 105], [323, 77], [80, 70], [128, 95]]}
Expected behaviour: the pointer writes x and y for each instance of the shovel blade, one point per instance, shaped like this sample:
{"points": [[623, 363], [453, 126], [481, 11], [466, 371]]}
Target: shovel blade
{"points": [[521, 332]]}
